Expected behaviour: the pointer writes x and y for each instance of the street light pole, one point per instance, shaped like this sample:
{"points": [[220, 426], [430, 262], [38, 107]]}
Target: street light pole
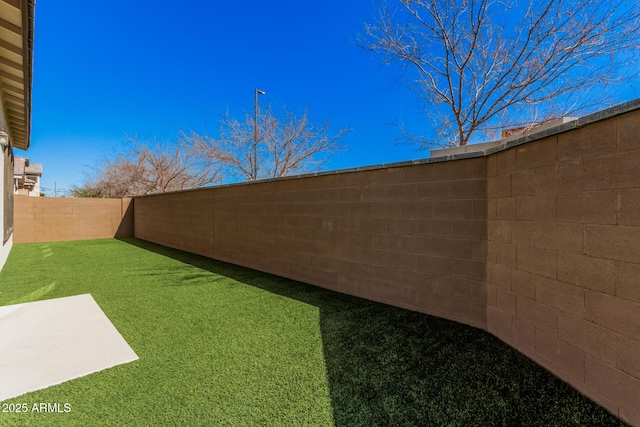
{"points": [[255, 134]]}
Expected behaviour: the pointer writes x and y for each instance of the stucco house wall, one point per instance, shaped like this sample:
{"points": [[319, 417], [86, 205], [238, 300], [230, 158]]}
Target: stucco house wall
{"points": [[15, 102]]}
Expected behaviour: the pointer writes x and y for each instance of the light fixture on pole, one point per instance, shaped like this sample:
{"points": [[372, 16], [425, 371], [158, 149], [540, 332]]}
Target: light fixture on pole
{"points": [[4, 138], [255, 134]]}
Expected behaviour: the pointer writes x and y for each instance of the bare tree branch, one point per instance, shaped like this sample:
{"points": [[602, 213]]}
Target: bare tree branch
{"points": [[283, 145], [476, 62], [151, 168]]}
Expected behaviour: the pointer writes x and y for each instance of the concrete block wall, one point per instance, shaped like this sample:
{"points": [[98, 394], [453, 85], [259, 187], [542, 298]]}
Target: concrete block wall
{"points": [[48, 219], [536, 240], [412, 236], [563, 264]]}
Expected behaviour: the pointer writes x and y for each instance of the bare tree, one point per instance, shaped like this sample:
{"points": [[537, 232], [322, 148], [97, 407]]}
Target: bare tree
{"points": [[280, 147], [481, 63], [151, 168]]}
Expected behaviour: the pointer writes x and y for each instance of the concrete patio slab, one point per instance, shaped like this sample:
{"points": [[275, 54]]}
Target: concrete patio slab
{"points": [[45, 343]]}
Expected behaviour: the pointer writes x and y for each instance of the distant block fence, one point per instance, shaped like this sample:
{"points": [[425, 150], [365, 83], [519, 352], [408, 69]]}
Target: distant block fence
{"points": [[536, 241], [47, 219]]}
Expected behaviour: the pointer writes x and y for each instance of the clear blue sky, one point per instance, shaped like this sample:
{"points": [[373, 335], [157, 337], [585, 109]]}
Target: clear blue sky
{"points": [[106, 69]]}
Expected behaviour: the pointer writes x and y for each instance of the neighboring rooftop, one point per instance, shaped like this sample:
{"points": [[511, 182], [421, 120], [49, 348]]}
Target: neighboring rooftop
{"points": [[26, 176], [22, 166]]}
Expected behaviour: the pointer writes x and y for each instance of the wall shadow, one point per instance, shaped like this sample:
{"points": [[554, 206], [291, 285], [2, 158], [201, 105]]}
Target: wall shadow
{"points": [[390, 366], [125, 228]]}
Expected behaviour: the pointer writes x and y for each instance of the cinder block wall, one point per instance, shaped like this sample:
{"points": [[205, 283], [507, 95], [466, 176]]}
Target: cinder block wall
{"points": [[47, 219], [412, 236], [564, 257], [539, 244]]}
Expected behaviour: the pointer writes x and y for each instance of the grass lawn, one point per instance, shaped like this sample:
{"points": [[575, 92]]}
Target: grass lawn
{"points": [[224, 345]]}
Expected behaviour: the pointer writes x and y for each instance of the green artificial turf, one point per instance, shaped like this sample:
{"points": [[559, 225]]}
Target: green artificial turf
{"points": [[224, 345]]}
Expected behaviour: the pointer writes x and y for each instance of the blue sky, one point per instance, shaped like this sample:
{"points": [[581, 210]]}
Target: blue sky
{"points": [[103, 70], [106, 69]]}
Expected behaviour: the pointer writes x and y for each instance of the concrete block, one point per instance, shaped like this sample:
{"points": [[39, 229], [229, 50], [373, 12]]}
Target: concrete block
{"points": [[628, 356], [469, 269], [361, 209], [387, 242], [620, 387], [387, 210], [559, 236], [523, 233], [492, 295], [491, 165], [387, 274], [506, 301], [417, 209], [433, 227], [569, 177], [612, 242], [416, 280], [499, 275], [629, 207], [499, 186], [499, 230], [360, 240], [505, 254], [562, 296], [452, 209], [628, 281], [475, 229], [468, 309], [441, 246], [434, 264], [506, 208], [536, 154], [400, 260], [433, 302], [492, 209], [524, 334], [538, 261], [499, 322], [612, 172], [523, 183], [480, 209], [588, 272], [361, 255], [468, 189], [372, 225], [594, 207], [589, 337], [360, 270], [566, 357], [377, 193], [537, 315], [402, 226], [478, 249], [437, 190], [536, 208], [613, 313], [401, 193], [505, 162], [596, 139], [450, 286], [629, 132]]}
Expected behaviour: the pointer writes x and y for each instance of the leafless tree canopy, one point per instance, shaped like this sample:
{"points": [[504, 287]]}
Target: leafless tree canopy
{"points": [[483, 64], [150, 168], [281, 146]]}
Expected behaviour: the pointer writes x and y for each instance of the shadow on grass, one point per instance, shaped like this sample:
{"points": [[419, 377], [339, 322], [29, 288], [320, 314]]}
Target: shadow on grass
{"points": [[389, 366]]}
